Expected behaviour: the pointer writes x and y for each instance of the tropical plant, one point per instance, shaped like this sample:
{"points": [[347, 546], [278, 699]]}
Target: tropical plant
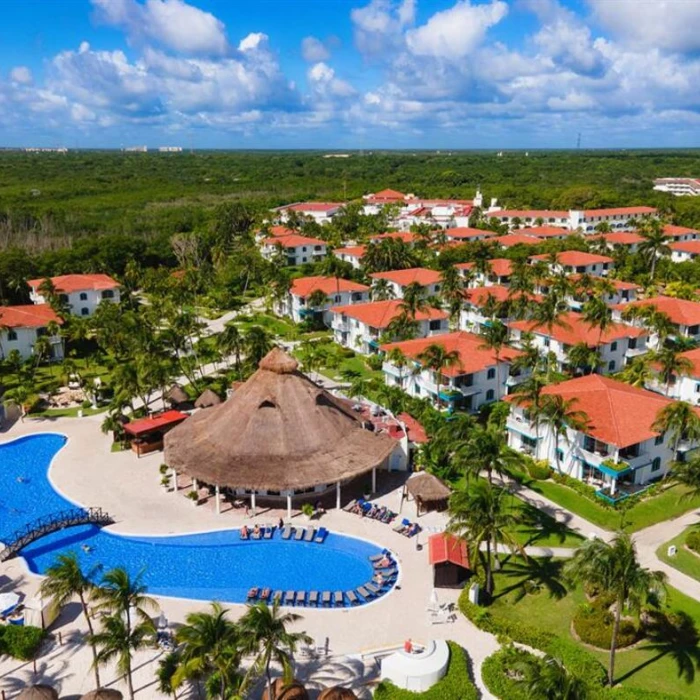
{"points": [[231, 342], [486, 450], [638, 372], [680, 420], [672, 364], [257, 344], [548, 679], [413, 300], [583, 357], [597, 314], [560, 415], [494, 337], [655, 243], [382, 289], [613, 568], [436, 358]]}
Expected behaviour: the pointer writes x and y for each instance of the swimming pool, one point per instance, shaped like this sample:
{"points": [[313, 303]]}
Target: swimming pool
{"points": [[210, 566]]}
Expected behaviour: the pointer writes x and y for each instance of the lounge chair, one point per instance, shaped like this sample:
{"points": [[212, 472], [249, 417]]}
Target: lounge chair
{"points": [[313, 598], [380, 565], [372, 588], [338, 599], [349, 506], [257, 535], [321, 535], [265, 595], [286, 533], [364, 592], [299, 533], [388, 573], [308, 534], [253, 593], [269, 529], [326, 598], [277, 597], [403, 524], [352, 597], [378, 557], [413, 529], [289, 597], [301, 597]]}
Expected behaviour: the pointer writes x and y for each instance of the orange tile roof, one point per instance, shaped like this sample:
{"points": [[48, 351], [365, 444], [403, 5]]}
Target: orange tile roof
{"points": [[379, 314], [512, 239], [313, 206], [680, 311], [405, 236], [530, 213], [386, 196], [501, 267], [686, 246], [356, 251], [444, 547], [678, 231], [618, 284], [694, 357], [150, 424], [276, 231], [304, 286], [619, 211], [578, 331], [472, 356], [415, 431], [28, 316], [292, 241], [66, 284], [574, 258], [621, 238], [403, 278], [619, 414], [546, 231], [479, 296], [466, 233]]}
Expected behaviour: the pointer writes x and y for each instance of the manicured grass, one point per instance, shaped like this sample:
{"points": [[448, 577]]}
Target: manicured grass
{"points": [[685, 560], [536, 528], [638, 667], [68, 412]]}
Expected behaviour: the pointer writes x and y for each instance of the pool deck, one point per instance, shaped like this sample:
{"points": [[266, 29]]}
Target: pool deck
{"points": [[86, 472]]}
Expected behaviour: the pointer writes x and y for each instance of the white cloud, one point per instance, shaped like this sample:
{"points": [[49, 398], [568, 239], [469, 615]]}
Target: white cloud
{"points": [[21, 75], [670, 25], [457, 31], [323, 80], [313, 49], [379, 26], [171, 23]]}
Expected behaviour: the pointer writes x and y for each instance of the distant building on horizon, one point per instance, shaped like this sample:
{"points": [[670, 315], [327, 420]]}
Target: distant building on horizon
{"points": [[678, 186]]}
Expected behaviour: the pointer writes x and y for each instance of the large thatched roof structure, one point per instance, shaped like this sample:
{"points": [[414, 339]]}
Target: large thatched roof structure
{"points": [[337, 693], [428, 491], [103, 694], [38, 692], [286, 691], [278, 431], [176, 395], [207, 399]]}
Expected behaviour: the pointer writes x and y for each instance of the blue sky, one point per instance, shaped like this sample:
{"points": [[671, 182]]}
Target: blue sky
{"points": [[350, 73]]}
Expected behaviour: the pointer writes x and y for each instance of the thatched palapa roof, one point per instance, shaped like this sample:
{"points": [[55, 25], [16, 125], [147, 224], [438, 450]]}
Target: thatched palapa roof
{"points": [[337, 693], [38, 692], [286, 691], [278, 431], [427, 488], [176, 395], [103, 694], [207, 399]]}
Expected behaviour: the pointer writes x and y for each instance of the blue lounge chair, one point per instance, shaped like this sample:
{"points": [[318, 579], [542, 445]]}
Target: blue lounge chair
{"points": [[352, 597], [299, 533], [349, 506], [253, 594], [338, 599], [269, 530], [364, 592], [326, 598], [404, 523], [378, 557], [313, 598], [301, 597], [265, 595], [289, 597], [308, 535], [321, 534], [373, 588], [286, 533], [277, 597]]}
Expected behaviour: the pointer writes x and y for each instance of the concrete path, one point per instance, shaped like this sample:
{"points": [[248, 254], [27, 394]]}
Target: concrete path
{"points": [[533, 551]]}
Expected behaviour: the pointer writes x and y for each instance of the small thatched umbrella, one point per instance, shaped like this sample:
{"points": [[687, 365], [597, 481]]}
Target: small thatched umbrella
{"points": [[337, 693], [286, 691], [207, 399], [428, 491], [103, 694], [38, 692], [176, 395]]}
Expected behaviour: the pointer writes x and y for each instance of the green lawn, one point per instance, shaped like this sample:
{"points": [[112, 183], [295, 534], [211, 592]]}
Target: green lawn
{"points": [[68, 412], [539, 529], [664, 505], [685, 560], [639, 667]]}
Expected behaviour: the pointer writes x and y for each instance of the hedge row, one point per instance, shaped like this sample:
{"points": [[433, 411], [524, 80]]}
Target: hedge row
{"points": [[455, 685], [494, 673], [594, 624], [20, 642], [692, 541]]}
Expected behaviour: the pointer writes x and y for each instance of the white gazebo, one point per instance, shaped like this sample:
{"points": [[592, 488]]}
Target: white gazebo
{"points": [[419, 669]]}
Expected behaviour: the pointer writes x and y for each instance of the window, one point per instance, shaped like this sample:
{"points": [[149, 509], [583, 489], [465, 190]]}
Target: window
{"points": [[435, 325], [11, 334], [63, 298], [528, 441], [489, 395], [545, 342], [83, 296], [632, 344], [611, 365], [613, 346], [559, 454], [303, 250], [693, 330], [437, 288], [84, 311], [336, 298], [491, 373], [658, 440], [656, 464], [108, 294]]}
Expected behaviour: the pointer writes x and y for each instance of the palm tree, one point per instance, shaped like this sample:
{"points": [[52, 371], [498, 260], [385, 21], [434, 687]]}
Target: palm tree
{"points": [[481, 512], [655, 243], [487, 450], [688, 474], [529, 395], [396, 357], [560, 416], [680, 420], [382, 290], [64, 581], [167, 667], [548, 679], [230, 342], [672, 364], [209, 646], [118, 641], [265, 634], [638, 371], [257, 344], [495, 337], [436, 358], [597, 314], [401, 327], [613, 567], [451, 291], [317, 299], [413, 300], [583, 357]]}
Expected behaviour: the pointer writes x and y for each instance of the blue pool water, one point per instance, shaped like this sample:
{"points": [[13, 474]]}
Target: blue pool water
{"points": [[210, 566]]}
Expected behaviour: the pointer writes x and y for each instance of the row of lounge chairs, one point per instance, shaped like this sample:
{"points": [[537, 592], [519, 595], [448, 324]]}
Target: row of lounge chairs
{"points": [[305, 534], [370, 510]]}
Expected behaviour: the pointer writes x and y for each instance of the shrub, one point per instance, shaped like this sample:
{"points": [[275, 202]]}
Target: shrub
{"points": [[594, 625], [538, 469], [86, 404], [455, 685], [692, 540], [497, 673], [20, 642], [374, 362]]}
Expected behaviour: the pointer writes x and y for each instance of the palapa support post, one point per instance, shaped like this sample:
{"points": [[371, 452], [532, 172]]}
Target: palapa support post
{"points": [[374, 480], [289, 506], [174, 481], [252, 502], [218, 501], [195, 485], [337, 495]]}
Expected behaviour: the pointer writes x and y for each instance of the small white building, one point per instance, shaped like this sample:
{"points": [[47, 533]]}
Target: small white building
{"points": [[465, 234], [529, 217], [337, 291], [621, 239], [500, 270], [483, 304], [616, 345], [681, 233], [297, 249], [474, 380], [82, 294], [684, 387], [320, 212], [351, 254], [21, 326], [361, 327], [618, 451], [683, 314], [577, 262], [618, 218], [685, 251], [398, 280], [678, 186]]}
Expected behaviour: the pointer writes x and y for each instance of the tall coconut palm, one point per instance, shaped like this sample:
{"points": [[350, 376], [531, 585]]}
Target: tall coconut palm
{"points": [[230, 342], [672, 365], [413, 299], [65, 580], [680, 420], [655, 243], [436, 358], [382, 290], [451, 291], [210, 646], [487, 451], [257, 344], [396, 357], [687, 474], [265, 634], [638, 372], [529, 395], [549, 679], [480, 512], [582, 356], [597, 314], [494, 337], [613, 567], [560, 416], [401, 327]]}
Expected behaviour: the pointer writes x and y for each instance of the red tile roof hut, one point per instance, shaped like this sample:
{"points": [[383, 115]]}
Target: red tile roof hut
{"points": [[449, 558]]}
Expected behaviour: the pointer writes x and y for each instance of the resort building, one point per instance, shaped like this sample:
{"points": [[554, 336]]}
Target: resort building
{"points": [[375, 202], [683, 314], [351, 254], [510, 240], [404, 236], [400, 279], [21, 326], [620, 292], [362, 327], [618, 218], [621, 239], [337, 291], [81, 294], [499, 272], [678, 186], [483, 304], [685, 251], [295, 248], [547, 233], [617, 451], [320, 212], [681, 233], [685, 387], [465, 234], [530, 217], [279, 437], [578, 262], [474, 379], [615, 345]]}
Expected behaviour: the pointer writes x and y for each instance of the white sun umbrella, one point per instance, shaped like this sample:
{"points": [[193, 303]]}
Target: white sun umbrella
{"points": [[434, 602], [7, 602], [162, 621]]}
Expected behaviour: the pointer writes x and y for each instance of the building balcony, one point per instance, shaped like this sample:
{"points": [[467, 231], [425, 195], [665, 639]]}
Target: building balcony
{"points": [[520, 425]]}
